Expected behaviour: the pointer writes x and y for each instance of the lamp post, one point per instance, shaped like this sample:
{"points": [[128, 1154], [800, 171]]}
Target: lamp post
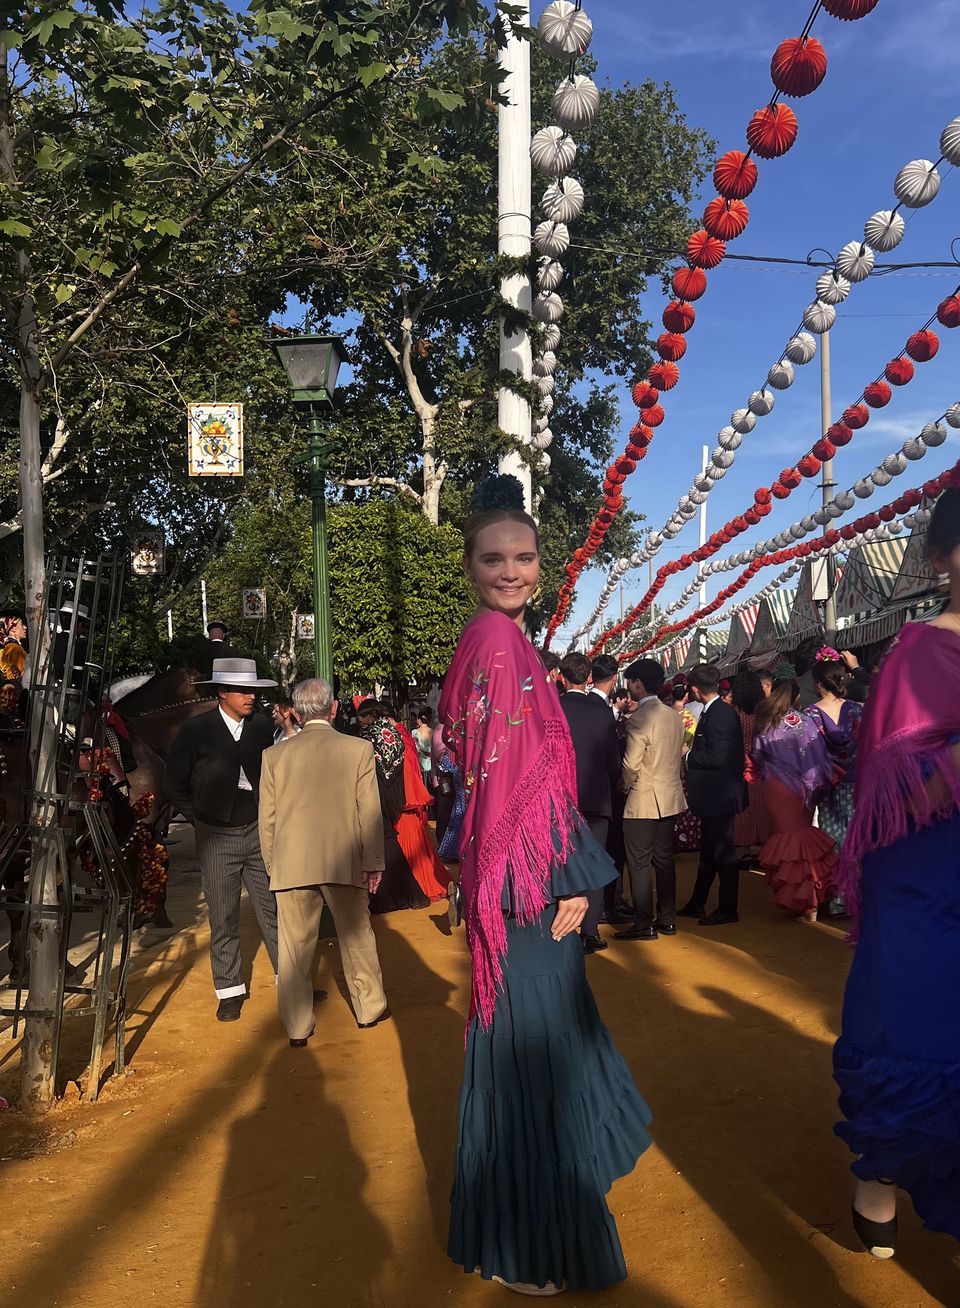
{"points": [[311, 364]]}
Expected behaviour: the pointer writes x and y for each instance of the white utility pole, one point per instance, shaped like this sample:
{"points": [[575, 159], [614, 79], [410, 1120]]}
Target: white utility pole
{"points": [[704, 458], [170, 624], [203, 604], [829, 488], [514, 240]]}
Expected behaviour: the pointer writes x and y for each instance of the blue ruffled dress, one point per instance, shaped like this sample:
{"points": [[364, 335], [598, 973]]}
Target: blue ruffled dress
{"points": [[897, 1061], [549, 1115]]}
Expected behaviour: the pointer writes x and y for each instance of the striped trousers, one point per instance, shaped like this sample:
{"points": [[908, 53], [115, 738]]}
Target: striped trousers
{"points": [[230, 858]]}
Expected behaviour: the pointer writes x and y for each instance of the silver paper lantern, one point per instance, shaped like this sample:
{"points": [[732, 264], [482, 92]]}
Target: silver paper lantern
{"points": [[550, 274], [855, 261], [550, 336], [545, 385], [879, 477], [553, 151], [831, 288], [542, 439], [761, 403], [781, 375], [884, 230], [743, 421], [950, 142], [551, 239], [895, 464], [801, 348], [863, 488], [563, 200], [564, 31], [547, 307], [953, 415], [819, 317], [575, 103], [917, 183], [546, 365], [729, 439], [914, 448], [933, 435]]}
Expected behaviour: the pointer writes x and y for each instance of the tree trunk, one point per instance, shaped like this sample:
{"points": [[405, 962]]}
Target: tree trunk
{"points": [[43, 943], [434, 473]]}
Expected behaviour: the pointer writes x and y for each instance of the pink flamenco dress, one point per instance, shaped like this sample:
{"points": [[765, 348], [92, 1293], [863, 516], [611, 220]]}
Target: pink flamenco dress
{"points": [[800, 861]]}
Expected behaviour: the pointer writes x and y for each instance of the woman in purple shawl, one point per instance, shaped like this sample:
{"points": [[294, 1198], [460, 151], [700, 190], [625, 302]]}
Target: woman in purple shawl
{"points": [[897, 1061], [549, 1116], [790, 756]]}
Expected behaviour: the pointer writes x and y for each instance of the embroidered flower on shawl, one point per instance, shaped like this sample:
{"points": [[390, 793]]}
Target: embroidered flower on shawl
{"points": [[792, 719]]}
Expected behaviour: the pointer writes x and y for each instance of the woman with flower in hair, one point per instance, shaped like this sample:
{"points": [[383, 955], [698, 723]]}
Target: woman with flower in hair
{"points": [[837, 718], [790, 757], [398, 886], [549, 1116], [897, 1061]]}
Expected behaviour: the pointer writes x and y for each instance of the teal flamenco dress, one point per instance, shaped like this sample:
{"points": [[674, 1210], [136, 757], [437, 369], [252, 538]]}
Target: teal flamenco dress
{"points": [[549, 1115]]}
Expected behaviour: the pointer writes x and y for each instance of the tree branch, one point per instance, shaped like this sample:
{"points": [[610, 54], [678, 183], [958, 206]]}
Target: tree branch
{"points": [[392, 483]]}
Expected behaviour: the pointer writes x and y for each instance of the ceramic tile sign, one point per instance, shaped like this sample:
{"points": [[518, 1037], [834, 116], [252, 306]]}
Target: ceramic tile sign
{"points": [[215, 440]]}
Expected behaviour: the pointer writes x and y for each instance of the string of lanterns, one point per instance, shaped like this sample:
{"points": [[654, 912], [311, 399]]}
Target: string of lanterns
{"points": [[921, 346], [915, 185], [564, 32], [931, 437], [798, 67], [910, 499]]}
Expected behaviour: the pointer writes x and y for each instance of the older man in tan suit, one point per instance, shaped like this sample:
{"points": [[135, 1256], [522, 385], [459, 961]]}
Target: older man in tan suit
{"points": [[321, 832], [651, 779]]}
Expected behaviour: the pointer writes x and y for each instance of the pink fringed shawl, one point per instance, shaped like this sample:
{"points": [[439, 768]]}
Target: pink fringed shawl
{"points": [[503, 725], [907, 776]]}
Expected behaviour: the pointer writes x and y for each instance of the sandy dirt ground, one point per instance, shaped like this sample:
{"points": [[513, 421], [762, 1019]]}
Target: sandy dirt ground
{"points": [[228, 1170]]}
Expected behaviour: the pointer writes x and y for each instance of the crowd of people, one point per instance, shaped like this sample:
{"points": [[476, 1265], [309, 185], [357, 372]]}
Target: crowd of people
{"points": [[562, 795]]}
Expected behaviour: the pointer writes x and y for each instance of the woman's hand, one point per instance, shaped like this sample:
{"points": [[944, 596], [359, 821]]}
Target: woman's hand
{"points": [[570, 914], [373, 880], [850, 659]]}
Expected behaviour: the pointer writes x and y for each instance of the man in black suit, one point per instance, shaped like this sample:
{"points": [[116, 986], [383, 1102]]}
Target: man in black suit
{"points": [[213, 771], [218, 647], [597, 751], [717, 793]]}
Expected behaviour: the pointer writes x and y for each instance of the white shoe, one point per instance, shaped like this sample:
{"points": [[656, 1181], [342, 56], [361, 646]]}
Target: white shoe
{"points": [[536, 1291]]}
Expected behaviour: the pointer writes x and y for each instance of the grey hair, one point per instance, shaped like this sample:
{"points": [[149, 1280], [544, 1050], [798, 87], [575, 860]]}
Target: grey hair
{"points": [[312, 698]]}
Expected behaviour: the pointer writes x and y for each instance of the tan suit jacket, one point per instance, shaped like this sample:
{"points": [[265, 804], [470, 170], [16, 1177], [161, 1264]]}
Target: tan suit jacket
{"points": [[320, 818], [651, 762]]}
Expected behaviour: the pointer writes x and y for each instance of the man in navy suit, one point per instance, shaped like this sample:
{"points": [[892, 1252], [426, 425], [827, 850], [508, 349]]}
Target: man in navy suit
{"points": [[717, 793], [597, 751]]}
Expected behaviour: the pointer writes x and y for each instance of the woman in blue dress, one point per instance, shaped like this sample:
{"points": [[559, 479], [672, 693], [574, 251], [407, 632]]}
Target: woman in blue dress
{"points": [[897, 1061], [549, 1115]]}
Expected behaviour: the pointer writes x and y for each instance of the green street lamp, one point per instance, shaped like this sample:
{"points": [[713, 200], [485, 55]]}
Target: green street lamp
{"points": [[311, 364]]}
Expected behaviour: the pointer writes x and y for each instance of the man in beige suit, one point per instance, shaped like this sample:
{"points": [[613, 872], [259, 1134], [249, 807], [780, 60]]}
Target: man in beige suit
{"points": [[321, 832], [651, 779]]}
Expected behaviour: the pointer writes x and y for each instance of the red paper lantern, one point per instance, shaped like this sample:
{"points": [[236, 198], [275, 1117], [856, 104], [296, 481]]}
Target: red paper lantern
{"points": [[679, 317], [761, 495], [887, 513], [922, 346], [752, 516], [654, 415], [614, 477], [790, 477], [871, 522], [931, 489], [779, 491], [671, 346], [689, 283], [912, 498], [798, 66], [857, 416], [823, 449], [641, 392], [808, 466], [898, 372], [735, 175], [704, 250], [849, 10], [726, 219], [948, 311], [849, 531], [640, 437], [772, 131], [739, 525], [839, 434], [664, 376], [877, 394], [763, 509]]}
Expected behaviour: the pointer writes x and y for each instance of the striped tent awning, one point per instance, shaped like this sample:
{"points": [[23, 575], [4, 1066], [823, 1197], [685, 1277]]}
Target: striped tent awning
{"points": [[772, 621], [916, 576], [870, 577], [805, 620]]}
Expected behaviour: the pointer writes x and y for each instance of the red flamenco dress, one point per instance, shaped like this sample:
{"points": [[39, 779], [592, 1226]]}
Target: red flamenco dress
{"points": [[800, 861], [412, 829]]}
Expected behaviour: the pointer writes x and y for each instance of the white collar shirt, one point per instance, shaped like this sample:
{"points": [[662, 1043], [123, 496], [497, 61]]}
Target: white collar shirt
{"points": [[236, 731]]}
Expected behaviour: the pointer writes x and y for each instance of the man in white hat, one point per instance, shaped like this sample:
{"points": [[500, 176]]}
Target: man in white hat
{"points": [[213, 771]]}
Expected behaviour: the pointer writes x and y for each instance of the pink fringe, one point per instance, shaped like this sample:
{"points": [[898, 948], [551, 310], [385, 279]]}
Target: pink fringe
{"points": [[541, 807], [894, 799]]}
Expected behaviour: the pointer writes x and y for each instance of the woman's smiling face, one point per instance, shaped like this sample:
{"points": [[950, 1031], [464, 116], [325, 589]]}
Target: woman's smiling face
{"points": [[505, 567]]}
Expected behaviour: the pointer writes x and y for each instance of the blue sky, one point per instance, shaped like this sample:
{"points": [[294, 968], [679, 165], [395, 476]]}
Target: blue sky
{"points": [[891, 87]]}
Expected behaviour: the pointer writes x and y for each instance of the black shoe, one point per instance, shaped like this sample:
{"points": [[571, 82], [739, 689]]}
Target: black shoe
{"points": [[319, 996], [384, 1016], [637, 933], [592, 944], [691, 910], [301, 1044], [719, 919], [878, 1238], [665, 929], [228, 1010]]}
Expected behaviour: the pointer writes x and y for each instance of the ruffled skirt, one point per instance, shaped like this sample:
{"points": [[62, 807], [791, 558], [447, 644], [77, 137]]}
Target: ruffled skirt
{"points": [[800, 860], [897, 1061], [549, 1118]]}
